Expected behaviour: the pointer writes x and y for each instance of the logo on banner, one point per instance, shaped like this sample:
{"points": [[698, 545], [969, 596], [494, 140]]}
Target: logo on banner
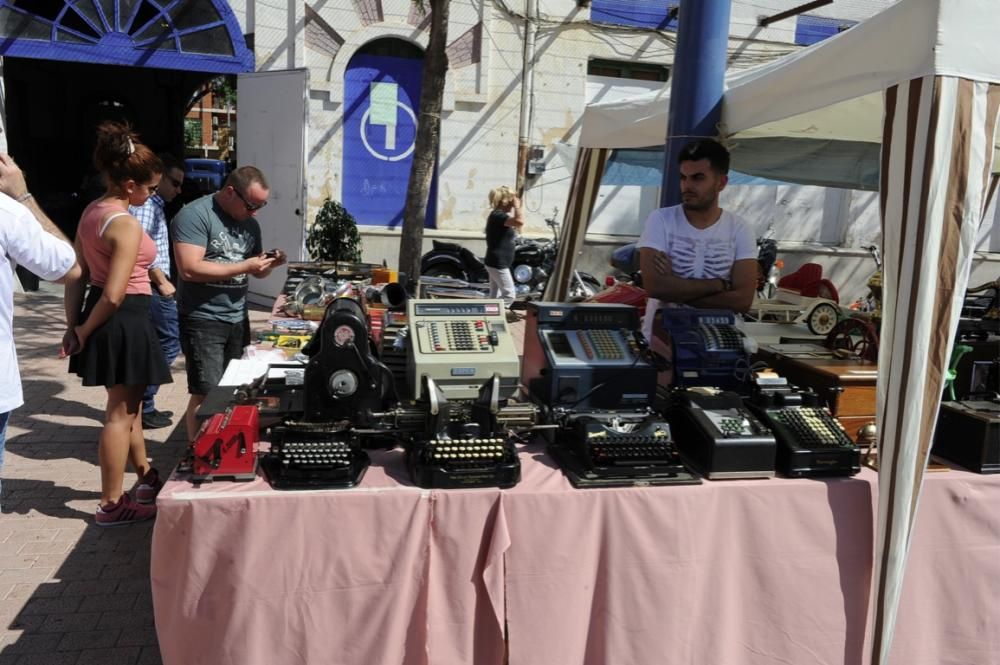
{"points": [[382, 112]]}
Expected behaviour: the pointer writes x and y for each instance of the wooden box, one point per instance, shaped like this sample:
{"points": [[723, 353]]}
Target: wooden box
{"points": [[846, 386]]}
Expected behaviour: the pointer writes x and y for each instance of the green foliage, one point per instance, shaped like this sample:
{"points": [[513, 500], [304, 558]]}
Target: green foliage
{"points": [[192, 132], [224, 88], [334, 235]]}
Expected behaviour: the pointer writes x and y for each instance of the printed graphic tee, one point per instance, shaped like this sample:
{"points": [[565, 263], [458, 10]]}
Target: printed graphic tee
{"points": [[695, 253], [225, 240]]}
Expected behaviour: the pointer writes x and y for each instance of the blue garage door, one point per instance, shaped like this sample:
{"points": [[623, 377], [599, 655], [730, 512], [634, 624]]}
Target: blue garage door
{"points": [[381, 99]]}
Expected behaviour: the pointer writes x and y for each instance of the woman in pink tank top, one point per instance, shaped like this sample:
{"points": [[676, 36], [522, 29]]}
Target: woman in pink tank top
{"points": [[110, 339]]}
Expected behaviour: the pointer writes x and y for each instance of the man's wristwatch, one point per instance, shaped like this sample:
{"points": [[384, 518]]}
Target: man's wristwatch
{"points": [[727, 284]]}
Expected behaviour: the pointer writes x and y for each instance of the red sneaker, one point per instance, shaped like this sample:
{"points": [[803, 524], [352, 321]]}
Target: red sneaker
{"points": [[126, 511], [148, 487]]}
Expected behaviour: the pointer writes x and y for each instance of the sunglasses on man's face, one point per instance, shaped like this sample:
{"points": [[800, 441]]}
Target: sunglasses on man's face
{"points": [[251, 207]]}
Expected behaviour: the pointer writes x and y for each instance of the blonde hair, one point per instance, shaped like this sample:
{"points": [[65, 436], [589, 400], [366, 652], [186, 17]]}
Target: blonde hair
{"points": [[501, 196]]}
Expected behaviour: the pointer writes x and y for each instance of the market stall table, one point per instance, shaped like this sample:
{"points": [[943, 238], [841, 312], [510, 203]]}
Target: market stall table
{"points": [[385, 573], [761, 571]]}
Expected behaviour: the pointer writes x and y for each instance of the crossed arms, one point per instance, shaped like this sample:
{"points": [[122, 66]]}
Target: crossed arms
{"points": [[661, 283]]}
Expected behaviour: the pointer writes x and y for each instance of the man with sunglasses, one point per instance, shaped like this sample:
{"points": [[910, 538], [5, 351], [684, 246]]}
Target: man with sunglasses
{"points": [[217, 244], [162, 306]]}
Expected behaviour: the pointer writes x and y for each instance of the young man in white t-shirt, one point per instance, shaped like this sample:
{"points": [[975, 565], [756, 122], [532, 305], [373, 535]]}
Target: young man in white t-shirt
{"points": [[697, 254], [29, 238]]}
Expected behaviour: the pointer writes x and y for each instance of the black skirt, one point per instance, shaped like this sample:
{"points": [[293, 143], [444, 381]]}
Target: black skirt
{"points": [[123, 351]]}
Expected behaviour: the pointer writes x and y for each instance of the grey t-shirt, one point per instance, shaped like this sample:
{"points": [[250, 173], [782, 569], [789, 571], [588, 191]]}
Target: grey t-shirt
{"points": [[225, 240]]}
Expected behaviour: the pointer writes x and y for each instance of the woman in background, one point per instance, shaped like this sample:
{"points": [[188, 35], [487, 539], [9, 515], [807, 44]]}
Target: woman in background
{"points": [[503, 224], [112, 342]]}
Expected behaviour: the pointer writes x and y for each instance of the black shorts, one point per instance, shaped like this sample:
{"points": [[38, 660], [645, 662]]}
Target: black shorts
{"points": [[208, 347]]}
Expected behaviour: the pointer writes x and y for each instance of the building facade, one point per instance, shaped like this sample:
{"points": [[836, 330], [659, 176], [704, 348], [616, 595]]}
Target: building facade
{"points": [[520, 73]]}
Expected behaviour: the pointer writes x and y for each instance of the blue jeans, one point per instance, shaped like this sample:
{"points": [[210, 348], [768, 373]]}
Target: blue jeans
{"points": [[163, 312], [4, 417]]}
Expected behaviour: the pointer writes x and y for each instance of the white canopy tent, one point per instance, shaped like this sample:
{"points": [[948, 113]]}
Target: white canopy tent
{"points": [[825, 102], [906, 103]]}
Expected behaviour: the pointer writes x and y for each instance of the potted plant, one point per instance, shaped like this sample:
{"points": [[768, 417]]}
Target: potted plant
{"points": [[334, 235]]}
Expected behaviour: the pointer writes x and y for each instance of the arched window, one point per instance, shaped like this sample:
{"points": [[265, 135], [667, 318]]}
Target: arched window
{"points": [[192, 35]]}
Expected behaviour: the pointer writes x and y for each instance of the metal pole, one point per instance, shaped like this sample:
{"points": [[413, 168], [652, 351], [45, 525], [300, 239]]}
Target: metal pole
{"points": [[527, 93], [696, 83]]}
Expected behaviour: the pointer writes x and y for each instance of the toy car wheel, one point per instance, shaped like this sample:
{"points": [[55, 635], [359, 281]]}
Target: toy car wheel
{"points": [[822, 318]]}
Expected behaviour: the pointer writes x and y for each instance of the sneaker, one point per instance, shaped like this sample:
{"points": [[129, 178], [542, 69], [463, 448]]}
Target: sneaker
{"points": [[164, 414], [124, 512], [155, 420], [148, 487], [514, 317]]}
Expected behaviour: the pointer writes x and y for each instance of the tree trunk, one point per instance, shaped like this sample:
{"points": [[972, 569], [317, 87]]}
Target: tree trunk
{"points": [[427, 141]]}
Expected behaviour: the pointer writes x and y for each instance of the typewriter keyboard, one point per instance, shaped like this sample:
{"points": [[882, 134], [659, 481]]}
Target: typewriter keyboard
{"points": [[305, 461], [465, 451], [812, 427], [627, 450], [473, 462], [721, 337], [315, 454]]}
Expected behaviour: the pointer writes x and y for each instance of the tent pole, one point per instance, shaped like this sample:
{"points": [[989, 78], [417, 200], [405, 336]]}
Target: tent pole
{"points": [[696, 83]]}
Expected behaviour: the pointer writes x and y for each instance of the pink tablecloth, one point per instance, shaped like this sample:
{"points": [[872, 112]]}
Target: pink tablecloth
{"points": [[386, 573], [743, 572]]}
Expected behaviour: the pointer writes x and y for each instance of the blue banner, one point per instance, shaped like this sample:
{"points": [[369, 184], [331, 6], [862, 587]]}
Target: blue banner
{"points": [[381, 101]]}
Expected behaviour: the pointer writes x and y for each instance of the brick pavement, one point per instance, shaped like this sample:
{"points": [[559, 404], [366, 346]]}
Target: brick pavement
{"points": [[71, 593]]}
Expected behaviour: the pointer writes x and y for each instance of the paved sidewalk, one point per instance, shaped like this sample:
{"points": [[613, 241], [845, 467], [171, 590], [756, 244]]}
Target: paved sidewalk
{"points": [[71, 593]]}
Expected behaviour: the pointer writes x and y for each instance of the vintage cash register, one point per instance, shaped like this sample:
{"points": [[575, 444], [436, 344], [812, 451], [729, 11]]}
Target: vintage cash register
{"points": [[586, 356], [587, 364], [810, 441], [460, 344], [718, 436], [708, 348]]}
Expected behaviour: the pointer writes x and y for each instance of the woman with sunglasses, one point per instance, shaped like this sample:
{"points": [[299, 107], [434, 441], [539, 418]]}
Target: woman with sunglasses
{"points": [[111, 340], [217, 245]]}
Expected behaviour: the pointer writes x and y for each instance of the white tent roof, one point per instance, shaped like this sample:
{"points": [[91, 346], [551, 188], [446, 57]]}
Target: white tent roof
{"points": [[831, 94]]}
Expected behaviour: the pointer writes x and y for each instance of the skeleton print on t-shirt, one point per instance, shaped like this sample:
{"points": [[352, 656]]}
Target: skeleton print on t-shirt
{"points": [[696, 253]]}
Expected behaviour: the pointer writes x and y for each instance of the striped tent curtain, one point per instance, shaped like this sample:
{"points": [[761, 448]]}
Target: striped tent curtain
{"points": [[590, 163], [936, 161]]}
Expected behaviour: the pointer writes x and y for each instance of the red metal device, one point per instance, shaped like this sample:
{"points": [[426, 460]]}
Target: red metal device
{"points": [[226, 445], [622, 294]]}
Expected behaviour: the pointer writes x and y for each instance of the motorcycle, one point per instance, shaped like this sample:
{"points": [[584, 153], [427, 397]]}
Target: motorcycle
{"points": [[768, 265], [534, 261], [450, 270], [450, 260], [625, 261]]}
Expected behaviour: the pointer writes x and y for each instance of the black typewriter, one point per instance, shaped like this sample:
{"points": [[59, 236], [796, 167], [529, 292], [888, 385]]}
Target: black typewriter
{"points": [[618, 450], [444, 462], [305, 459], [810, 441], [462, 447]]}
